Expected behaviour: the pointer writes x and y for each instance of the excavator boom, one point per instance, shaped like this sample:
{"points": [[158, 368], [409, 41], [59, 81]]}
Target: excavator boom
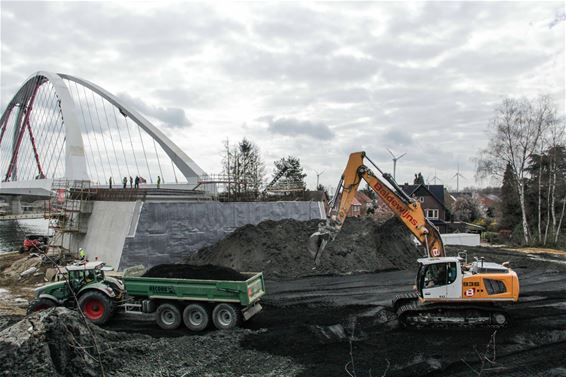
{"points": [[448, 292], [407, 209]]}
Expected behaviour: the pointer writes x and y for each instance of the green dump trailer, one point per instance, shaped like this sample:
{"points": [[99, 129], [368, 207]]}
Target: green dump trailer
{"points": [[196, 303]]}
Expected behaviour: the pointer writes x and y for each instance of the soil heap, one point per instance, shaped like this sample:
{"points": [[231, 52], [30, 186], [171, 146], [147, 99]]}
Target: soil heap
{"points": [[279, 248], [187, 271], [56, 342]]}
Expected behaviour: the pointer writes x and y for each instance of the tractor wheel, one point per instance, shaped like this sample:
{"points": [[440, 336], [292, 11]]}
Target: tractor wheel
{"points": [[226, 316], [196, 317], [168, 316], [96, 306], [40, 304]]}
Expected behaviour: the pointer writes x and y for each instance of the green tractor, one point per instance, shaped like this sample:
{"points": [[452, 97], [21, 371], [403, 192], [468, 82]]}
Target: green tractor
{"points": [[97, 295]]}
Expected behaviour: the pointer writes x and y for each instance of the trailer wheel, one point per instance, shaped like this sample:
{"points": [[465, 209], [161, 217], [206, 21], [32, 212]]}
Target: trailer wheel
{"points": [[40, 304], [96, 306], [196, 317], [226, 316], [168, 316]]}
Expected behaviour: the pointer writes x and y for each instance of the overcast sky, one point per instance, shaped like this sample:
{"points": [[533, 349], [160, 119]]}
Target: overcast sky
{"points": [[317, 80]]}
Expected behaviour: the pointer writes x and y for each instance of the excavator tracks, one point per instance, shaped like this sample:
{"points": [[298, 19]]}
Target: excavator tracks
{"points": [[404, 299], [416, 314]]}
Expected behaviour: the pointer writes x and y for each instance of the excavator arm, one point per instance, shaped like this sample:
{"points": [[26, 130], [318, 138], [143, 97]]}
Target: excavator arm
{"points": [[407, 209]]}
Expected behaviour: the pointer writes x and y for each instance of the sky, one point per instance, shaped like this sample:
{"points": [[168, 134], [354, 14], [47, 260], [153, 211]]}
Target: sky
{"points": [[317, 80]]}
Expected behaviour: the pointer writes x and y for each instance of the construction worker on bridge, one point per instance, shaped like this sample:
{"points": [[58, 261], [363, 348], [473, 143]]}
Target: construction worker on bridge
{"points": [[82, 254]]}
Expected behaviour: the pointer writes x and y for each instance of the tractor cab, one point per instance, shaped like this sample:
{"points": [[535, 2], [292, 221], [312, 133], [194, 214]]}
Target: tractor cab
{"points": [[84, 274]]}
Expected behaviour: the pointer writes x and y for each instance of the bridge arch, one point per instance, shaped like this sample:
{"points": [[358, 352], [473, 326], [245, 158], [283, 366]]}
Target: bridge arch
{"points": [[18, 119]]}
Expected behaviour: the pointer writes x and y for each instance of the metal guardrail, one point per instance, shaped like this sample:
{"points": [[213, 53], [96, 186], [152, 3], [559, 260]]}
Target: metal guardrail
{"points": [[23, 216]]}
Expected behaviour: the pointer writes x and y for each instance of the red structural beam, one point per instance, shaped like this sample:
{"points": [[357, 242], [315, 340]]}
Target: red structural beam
{"points": [[39, 169], [25, 124]]}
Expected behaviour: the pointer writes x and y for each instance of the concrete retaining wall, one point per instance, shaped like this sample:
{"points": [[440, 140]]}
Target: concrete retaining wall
{"points": [[466, 239], [168, 231], [108, 226]]}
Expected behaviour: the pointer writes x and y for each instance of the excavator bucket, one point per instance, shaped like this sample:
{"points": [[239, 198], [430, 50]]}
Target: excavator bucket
{"points": [[316, 244]]}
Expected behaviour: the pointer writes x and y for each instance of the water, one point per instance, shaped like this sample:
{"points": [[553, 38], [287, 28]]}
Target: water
{"points": [[13, 232]]}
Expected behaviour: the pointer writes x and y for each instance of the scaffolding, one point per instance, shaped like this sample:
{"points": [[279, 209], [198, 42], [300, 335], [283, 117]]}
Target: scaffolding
{"points": [[68, 211]]}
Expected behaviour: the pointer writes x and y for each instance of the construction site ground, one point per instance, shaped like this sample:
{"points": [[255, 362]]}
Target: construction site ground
{"points": [[325, 324], [315, 326]]}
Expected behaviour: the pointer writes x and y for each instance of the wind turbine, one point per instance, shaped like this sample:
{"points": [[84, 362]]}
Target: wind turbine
{"points": [[433, 178], [318, 176], [395, 161], [458, 175]]}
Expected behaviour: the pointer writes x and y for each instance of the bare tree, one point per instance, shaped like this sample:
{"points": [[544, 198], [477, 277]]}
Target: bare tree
{"points": [[468, 208], [243, 164], [556, 139], [515, 134]]}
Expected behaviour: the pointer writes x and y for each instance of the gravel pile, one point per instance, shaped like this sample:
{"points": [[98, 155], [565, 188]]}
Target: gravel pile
{"points": [[187, 271], [279, 249]]}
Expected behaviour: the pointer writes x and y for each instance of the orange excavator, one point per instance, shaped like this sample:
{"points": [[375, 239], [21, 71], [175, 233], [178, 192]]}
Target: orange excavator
{"points": [[448, 290]]}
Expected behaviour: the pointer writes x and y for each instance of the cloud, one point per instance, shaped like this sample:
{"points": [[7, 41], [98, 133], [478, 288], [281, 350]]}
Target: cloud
{"points": [[170, 116], [296, 127], [417, 77], [398, 137]]}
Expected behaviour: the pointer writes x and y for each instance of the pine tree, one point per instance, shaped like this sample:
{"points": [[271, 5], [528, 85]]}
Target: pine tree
{"points": [[510, 206], [292, 171]]}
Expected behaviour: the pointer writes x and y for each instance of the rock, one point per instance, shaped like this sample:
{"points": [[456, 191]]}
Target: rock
{"points": [[30, 271], [50, 274], [22, 265]]}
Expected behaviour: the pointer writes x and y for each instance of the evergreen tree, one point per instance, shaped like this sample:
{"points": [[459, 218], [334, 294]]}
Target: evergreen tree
{"points": [[292, 171], [510, 206]]}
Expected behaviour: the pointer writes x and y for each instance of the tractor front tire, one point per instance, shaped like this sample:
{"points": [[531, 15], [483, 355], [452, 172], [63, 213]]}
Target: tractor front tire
{"points": [[40, 304], [96, 306], [168, 316]]}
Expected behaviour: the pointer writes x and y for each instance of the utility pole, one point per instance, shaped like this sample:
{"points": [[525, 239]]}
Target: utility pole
{"points": [[395, 161]]}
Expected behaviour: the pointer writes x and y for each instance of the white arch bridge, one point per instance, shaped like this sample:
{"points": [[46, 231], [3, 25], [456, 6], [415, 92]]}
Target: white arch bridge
{"points": [[58, 126]]}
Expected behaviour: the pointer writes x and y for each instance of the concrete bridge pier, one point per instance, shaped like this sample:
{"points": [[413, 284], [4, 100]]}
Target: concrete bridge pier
{"points": [[16, 205]]}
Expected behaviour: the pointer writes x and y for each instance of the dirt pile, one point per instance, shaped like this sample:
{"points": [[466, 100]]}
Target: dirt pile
{"points": [[187, 271], [58, 342], [279, 248]]}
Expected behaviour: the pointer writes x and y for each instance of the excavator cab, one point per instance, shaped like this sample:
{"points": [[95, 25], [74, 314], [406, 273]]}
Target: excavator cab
{"points": [[439, 278]]}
